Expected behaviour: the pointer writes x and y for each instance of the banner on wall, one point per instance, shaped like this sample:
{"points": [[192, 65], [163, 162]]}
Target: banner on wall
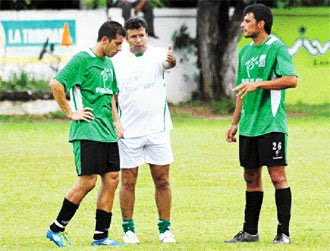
{"points": [[26, 33]]}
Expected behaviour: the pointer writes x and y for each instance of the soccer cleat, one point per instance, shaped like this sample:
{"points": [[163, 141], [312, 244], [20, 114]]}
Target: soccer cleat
{"points": [[244, 237], [131, 238], [167, 237], [105, 242], [281, 239], [60, 239]]}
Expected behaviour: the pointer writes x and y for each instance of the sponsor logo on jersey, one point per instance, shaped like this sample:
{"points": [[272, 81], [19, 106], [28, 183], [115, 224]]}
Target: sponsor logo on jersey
{"points": [[107, 75], [102, 90]]}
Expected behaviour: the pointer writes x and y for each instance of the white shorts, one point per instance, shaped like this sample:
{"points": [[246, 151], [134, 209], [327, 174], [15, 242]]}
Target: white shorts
{"points": [[152, 149]]}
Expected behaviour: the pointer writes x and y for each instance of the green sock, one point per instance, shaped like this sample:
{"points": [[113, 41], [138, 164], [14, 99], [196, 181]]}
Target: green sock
{"points": [[128, 225], [163, 225]]}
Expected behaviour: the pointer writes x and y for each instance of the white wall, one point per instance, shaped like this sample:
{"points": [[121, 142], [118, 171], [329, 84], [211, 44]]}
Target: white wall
{"points": [[16, 59]]}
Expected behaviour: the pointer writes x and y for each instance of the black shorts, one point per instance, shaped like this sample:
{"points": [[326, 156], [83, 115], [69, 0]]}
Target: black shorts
{"points": [[93, 157], [265, 150]]}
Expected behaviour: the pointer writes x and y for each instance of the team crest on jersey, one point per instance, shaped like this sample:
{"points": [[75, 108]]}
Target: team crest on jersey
{"points": [[107, 74], [262, 61]]}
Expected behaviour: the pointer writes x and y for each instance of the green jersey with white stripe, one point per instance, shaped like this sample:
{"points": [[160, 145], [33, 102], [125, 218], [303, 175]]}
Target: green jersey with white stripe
{"points": [[92, 82], [263, 111]]}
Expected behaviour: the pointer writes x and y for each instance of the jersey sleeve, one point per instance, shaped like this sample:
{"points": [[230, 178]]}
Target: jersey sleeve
{"points": [[72, 74], [284, 65]]}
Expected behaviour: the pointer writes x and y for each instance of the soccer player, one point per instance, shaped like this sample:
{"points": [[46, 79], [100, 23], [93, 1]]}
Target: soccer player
{"points": [[91, 79], [146, 122], [265, 70]]}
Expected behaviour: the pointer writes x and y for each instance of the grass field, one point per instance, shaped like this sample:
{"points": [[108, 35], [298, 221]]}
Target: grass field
{"points": [[208, 189]]}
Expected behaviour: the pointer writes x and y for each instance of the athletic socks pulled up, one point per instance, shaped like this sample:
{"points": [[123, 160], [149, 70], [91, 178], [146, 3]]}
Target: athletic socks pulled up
{"points": [[163, 225], [252, 211], [103, 221], [65, 215], [128, 225], [283, 200]]}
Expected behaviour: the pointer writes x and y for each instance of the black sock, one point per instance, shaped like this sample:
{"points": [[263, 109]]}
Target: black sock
{"points": [[283, 204], [65, 215], [103, 221], [252, 211]]}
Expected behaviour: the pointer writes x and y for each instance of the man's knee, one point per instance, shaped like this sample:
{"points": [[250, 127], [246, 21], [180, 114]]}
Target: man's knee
{"points": [[279, 181], [162, 183], [278, 177], [87, 182], [252, 178], [113, 178], [128, 179]]}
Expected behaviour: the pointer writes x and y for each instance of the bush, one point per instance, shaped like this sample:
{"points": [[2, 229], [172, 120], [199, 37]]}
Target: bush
{"points": [[22, 83]]}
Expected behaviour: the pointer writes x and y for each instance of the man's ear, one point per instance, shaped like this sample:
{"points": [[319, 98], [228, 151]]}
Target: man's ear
{"points": [[261, 24], [105, 39]]}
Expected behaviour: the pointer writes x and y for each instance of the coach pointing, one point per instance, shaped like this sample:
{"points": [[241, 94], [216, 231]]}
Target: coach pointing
{"points": [[146, 121]]}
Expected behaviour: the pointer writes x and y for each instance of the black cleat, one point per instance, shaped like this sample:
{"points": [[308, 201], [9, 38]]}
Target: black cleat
{"points": [[281, 239], [244, 237]]}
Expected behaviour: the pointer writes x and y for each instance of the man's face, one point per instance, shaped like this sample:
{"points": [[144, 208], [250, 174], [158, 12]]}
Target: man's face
{"points": [[137, 40], [250, 26], [110, 48]]}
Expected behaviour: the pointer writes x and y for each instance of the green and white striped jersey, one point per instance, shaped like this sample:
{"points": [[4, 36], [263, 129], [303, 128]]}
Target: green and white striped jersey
{"points": [[263, 111], [92, 82]]}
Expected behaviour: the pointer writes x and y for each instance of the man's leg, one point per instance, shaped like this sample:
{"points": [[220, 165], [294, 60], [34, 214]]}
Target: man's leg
{"points": [[70, 205], [105, 199], [126, 9], [127, 197], [254, 198], [149, 17], [283, 203], [163, 197]]}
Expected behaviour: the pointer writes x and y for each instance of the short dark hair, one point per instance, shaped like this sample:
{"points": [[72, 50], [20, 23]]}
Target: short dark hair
{"points": [[261, 12], [110, 29], [136, 23]]}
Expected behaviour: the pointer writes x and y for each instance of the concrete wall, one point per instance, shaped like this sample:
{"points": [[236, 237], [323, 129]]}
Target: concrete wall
{"points": [[20, 47]]}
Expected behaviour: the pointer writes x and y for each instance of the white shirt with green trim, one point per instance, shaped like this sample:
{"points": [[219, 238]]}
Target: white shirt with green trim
{"points": [[142, 101]]}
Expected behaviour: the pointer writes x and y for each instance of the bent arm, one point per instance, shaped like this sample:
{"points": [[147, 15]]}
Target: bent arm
{"points": [[276, 84], [84, 114], [59, 95], [279, 83]]}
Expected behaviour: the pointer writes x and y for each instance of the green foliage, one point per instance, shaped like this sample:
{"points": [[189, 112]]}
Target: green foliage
{"points": [[223, 106], [157, 3], [182, 40], [21, 82], [206, 181]]}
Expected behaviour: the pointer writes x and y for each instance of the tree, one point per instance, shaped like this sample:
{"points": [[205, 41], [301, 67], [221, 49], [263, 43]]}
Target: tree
{"points": [[218, 31]]}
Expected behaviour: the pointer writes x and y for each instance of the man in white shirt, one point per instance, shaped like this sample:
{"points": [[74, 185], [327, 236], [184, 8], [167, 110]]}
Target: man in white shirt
{"points": [[146, 122]]}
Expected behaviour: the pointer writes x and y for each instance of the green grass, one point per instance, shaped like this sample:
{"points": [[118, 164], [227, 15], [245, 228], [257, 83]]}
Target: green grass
{"points": [[207, 184]]}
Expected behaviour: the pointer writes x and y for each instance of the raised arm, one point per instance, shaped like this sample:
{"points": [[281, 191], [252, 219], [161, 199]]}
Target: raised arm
{"points": [[170, 60]]}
